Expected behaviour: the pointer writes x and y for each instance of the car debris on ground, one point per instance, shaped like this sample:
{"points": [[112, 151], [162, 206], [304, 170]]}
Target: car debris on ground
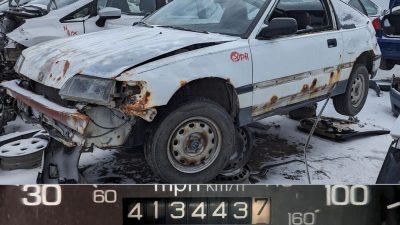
{"points": [[339, 129]]}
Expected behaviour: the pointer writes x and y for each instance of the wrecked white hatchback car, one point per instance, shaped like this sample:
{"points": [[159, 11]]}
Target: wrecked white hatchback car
{"points": [[186, 79]]}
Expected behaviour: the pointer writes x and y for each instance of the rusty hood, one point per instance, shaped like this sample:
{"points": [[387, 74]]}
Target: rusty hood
{"points": [[105, 54]]}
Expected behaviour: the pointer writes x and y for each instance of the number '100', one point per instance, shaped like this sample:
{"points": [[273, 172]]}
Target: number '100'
{"points": [[341, 195]]}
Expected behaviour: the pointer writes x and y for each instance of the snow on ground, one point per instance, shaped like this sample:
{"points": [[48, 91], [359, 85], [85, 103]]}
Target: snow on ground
{"points": [[277, 157]]}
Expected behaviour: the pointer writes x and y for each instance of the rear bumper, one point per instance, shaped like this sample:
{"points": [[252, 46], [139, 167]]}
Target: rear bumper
{"points": [[46, 109]]}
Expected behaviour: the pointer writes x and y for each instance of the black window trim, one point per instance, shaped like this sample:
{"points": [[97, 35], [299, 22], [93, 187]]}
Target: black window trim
{"points": [[328, 14], [93, 6], [365, 12]]}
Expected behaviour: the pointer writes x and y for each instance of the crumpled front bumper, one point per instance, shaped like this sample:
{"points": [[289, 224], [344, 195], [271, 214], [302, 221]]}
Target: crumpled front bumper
{"points": [[91, 126], [46, 109]]}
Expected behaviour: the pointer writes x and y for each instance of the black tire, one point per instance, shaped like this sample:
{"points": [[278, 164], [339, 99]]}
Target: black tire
{"points": [[345, 103], [7, 112], [304, 113], [162, 142], [243, 150]]}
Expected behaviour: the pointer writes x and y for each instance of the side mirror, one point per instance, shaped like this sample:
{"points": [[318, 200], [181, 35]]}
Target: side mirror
{"points": [[108, 13], [278, 27]]}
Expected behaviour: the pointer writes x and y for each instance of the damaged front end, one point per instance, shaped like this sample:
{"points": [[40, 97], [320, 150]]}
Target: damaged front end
{"points": [[87, 112]]}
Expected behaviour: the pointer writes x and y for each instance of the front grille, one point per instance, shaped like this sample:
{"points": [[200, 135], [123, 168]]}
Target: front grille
{"points": [[49, 93]]}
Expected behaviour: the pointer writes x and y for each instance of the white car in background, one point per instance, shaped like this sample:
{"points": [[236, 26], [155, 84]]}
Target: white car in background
{"points": [[75, 18], [82, 16]]}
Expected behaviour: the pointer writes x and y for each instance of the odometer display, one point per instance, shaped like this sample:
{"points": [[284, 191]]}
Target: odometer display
{"points": [[256, 210]]}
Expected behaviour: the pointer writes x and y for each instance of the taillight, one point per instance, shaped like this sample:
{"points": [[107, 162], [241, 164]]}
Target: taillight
{"points": [[376, 23]]}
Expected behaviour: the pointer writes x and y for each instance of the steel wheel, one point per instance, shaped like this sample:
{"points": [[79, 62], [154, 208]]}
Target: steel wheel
{"points": [[352, 101], [194, 145], [357, 90]]}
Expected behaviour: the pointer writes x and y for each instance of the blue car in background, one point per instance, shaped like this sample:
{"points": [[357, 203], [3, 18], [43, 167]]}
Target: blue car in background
{"points": [[388, 34]]}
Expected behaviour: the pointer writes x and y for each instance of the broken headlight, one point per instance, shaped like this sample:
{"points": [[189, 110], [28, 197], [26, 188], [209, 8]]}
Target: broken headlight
{"points": [[89, 90]]}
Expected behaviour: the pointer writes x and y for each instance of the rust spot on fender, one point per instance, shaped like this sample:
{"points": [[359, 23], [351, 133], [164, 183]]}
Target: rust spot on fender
{"points": [[139, 107], [182, 83], [66, 67]]}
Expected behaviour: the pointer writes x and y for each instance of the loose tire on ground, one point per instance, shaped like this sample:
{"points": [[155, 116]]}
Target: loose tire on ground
{"points": [[304, 112], [353, 100], [190, 142], [243, 150]]}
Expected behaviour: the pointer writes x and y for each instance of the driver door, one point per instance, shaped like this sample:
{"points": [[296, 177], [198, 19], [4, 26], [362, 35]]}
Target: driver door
{"points": [[297, 68]]}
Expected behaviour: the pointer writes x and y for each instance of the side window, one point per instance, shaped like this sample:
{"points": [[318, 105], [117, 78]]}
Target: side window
{"points": [[81, 13], [129, 7], [101, 4], [371, 8], [349, 18], [311, 15], [357, 5]]}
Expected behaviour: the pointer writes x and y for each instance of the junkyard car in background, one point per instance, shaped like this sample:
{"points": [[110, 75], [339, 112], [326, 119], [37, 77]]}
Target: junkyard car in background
{"points": [[388, 35], [7, 4], [180, 81], [44, 20], [13, 14]]}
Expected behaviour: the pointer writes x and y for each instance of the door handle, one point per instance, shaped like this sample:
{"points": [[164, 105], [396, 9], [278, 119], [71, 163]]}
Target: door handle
{"points": [[332, 43]]}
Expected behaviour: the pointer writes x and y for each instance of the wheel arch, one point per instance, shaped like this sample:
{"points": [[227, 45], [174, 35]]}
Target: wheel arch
{"points": [[366, 58], [216, 89]]}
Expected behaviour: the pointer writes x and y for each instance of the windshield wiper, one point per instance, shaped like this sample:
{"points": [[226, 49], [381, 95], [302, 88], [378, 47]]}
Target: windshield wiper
{"points": [[142, 23], [185, 29]]}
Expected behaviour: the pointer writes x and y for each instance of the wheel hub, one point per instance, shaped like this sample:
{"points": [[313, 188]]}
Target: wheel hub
{"points": [[194, 145], [357, 90]]}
